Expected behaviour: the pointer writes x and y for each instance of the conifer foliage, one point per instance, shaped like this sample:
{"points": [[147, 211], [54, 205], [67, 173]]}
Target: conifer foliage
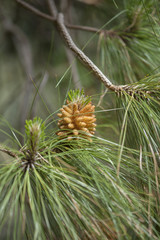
{"points": [[63, 181]]}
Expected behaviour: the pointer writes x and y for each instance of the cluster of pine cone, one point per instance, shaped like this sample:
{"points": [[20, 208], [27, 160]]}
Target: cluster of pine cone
{"points": [[77, 119]]}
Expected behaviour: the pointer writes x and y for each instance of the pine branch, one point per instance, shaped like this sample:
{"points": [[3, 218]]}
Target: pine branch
{"points": [[71, 45], [7, 151], [52, 8], [53, 19], [35, 10], [58, 20], [84, 59]]}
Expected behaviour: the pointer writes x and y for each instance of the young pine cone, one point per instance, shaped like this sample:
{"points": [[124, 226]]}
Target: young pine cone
{"points": [[77, 119]]}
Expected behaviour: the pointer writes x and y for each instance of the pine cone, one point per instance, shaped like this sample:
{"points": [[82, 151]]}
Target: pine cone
{"points": [[77, 119]]}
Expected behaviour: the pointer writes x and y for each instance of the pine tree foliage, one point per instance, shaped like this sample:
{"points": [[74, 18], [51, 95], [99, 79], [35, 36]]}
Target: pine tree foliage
{"points": [[130, 50], [52, 188], [71, 191]]}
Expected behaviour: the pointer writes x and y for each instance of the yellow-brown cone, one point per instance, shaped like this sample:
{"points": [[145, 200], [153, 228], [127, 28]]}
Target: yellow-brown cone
{"points": [[77, 120]]}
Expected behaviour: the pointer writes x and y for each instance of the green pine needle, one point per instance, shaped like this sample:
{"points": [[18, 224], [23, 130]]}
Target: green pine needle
{"points": [[73, 192]]}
